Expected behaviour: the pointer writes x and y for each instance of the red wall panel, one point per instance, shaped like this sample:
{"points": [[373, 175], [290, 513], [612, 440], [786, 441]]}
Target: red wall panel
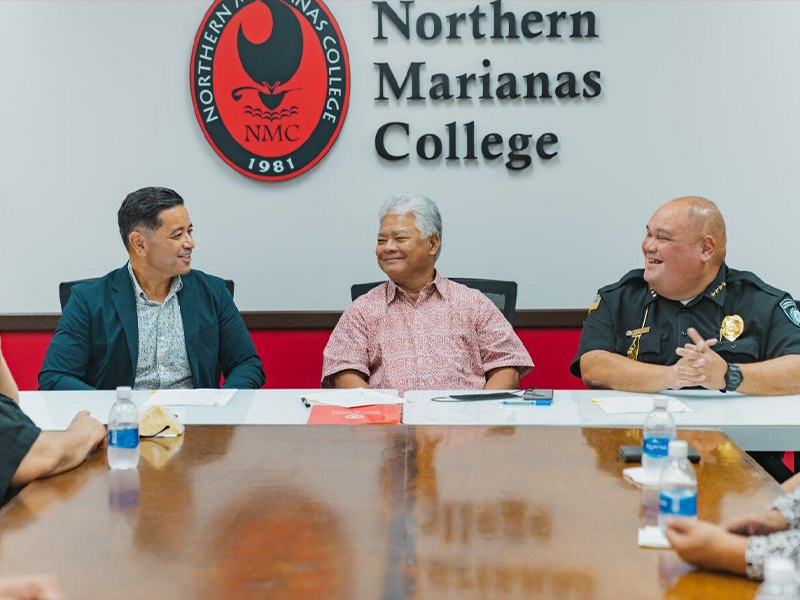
{"points": [[293, 359], [24, 352]]}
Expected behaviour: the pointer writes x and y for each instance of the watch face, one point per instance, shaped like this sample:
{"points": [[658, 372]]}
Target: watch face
{"points": [[733, 378]]}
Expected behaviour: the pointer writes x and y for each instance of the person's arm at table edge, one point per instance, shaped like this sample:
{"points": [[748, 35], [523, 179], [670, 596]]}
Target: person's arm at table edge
{"points": [[791, 484], [349, 378], [774, 377], [502, 378], [345, 359], [241, 364], [8, 387], [601, 369], [503, 356], [68, 352], [54, 452]]}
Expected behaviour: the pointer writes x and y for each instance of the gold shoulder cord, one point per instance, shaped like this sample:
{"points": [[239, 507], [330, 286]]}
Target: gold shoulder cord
{"points": [[633, 351]]}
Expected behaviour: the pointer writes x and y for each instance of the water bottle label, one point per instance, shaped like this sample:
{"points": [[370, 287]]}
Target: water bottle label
{"points": [[656, 447], [680, 506], [123, 438]]}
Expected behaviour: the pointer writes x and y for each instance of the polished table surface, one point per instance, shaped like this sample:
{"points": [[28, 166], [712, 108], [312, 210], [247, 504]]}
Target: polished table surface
{"points": [[370, 512], [755, 423]]}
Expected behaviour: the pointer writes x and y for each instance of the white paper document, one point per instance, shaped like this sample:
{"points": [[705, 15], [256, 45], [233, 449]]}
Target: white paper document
{"points": [[617, 405], [460, 413], [201, 397], [352, 398]]}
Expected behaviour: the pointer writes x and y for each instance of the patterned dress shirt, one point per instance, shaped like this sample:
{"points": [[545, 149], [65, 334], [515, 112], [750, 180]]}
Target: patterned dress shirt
{"points": [[784, 543], [163, 362], [447, 340]]}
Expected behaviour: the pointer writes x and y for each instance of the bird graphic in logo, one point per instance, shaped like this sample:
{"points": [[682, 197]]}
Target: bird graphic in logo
{"points": [[272, 63]]}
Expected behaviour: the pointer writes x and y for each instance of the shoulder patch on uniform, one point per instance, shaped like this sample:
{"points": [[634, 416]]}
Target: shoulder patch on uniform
{"points": [[595, 303], [791, 311]]}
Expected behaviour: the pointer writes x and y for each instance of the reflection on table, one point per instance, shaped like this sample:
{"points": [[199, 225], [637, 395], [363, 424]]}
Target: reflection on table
{"points": [[369, 512]]}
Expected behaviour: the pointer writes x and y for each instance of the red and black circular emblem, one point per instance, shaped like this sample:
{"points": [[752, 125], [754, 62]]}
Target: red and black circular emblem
{"points": [[270, 84]]}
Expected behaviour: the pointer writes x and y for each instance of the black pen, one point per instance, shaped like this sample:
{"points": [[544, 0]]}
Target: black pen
{"points": [[306, 403]]}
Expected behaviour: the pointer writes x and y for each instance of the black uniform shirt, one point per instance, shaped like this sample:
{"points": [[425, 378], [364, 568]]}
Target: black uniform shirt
{"points": [[771, 320], [17, 435]]}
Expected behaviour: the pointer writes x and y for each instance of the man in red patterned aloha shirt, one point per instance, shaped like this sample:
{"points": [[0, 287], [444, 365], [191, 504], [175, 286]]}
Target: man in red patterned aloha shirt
{"points": [[420, 330]]}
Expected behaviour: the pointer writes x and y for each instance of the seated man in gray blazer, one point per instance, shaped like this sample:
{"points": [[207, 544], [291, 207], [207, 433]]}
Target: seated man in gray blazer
{"points": [[154, 323]]}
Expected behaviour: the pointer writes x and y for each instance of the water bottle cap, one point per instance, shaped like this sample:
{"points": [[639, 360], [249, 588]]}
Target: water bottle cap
{"points": [[659, 402], [124, 391], [779, 569], [678, 449]]}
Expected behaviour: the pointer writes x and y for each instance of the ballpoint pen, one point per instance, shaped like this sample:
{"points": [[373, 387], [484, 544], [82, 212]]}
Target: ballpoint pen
{"points": [[543, 402], [306, 403]]}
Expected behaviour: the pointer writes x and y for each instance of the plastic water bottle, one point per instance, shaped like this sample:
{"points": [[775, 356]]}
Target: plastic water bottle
{"points": [[677, 495], [780, 580], [123, 432], [659, 431]]}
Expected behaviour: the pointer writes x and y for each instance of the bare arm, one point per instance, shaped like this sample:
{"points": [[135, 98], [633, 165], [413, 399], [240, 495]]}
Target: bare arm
{"points": [[772, 377], [350, 379], [54, 452], [791, 484], [502, 378], [8, 387], [602, 369]]}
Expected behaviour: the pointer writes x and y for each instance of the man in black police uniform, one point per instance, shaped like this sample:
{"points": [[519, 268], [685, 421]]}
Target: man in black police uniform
{"points": [[688, 320], [26, 453]]}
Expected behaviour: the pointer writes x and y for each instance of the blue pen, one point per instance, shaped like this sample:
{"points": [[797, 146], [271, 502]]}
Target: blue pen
{"points": [[547, 402]]}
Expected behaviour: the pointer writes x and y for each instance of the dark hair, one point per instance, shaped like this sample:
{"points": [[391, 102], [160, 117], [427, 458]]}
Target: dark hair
{"points": [[142, 209]]}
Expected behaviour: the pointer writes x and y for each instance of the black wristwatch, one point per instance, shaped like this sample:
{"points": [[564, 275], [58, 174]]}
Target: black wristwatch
{"points": [[733, 378]]}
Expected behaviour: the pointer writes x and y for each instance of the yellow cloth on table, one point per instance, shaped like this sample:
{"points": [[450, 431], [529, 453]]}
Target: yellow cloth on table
{"points": [[160, 422]]}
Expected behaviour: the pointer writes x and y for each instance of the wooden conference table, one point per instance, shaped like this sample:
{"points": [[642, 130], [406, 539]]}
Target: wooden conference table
{"points": [[279, 511], [369, 512]]}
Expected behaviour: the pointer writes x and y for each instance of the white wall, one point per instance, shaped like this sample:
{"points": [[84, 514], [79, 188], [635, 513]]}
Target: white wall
{"points": [[698, 97]]}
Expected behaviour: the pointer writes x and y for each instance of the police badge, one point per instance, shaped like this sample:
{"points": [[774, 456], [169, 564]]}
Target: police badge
{"points": [[731, 328]]}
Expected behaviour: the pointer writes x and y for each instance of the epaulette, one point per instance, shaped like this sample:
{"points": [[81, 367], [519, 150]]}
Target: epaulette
{"points": [[629, 276], [734, 275]]}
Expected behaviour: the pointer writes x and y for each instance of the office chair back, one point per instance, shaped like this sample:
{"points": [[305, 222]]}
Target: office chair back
{"points": [[502, 293], [65, 289]]}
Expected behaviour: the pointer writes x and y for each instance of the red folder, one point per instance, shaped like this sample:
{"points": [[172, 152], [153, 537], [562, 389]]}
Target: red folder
{"points": [[387, 414]]}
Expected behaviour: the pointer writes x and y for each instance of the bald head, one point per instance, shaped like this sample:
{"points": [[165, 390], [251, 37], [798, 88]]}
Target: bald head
{"points": [[684, 247], [702, 218]]}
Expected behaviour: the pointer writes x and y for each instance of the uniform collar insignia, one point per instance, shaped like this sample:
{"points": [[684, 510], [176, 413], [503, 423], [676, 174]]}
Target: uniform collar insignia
{"points": [[716, 289], [651, 295]]}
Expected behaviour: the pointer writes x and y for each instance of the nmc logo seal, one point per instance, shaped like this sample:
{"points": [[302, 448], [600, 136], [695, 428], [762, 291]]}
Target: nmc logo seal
{"points": [[270, 84]]}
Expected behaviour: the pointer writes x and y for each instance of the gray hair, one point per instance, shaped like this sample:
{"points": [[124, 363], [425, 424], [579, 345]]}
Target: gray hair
{"points": [[428, 219]]}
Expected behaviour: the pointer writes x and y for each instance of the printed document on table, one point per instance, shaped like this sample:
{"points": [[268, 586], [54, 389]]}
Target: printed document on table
{"points": [[201, 397], [461, 413], [617, 405], [352, 398]]}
